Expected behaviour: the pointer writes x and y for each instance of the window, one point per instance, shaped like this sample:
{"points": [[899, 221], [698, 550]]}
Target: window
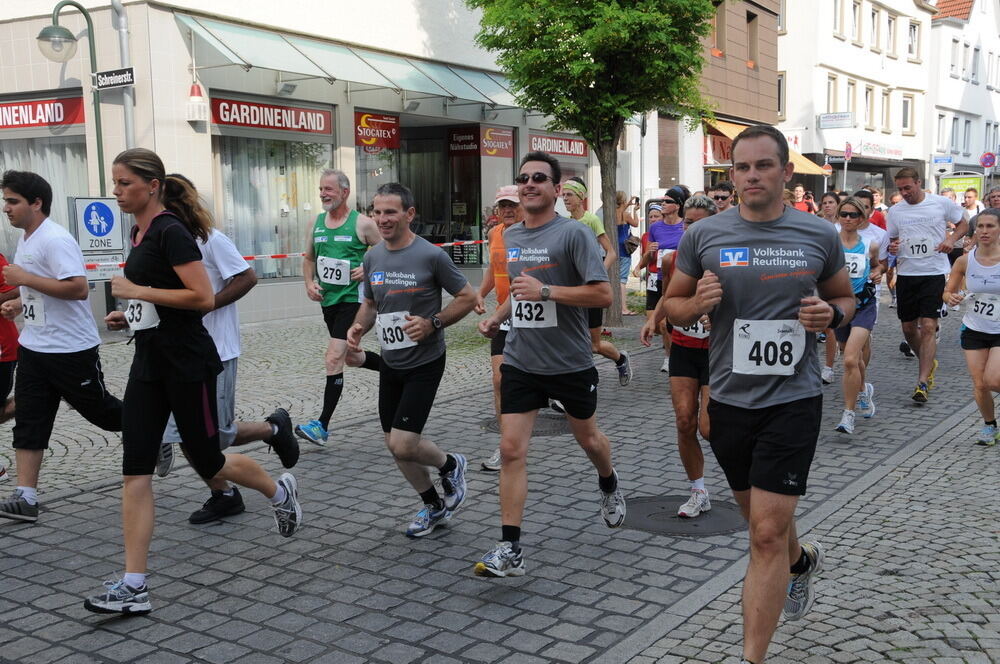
{"points": [[975, 65], [719, 31], [942, 138], [875, 36], [869, 107], [752, 51], [886, 111], [838, 17], [781, 16], [965, 62], [967, 137], [955, 49], [890, 34], [913, 42], [856, 21], [989, 69], [907, 115], [831, 94], [852, 91], [781, 94], [954, 134]]}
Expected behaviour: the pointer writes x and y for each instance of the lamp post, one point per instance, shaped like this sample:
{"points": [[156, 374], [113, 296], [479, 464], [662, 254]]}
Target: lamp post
{"points": [[59, 45]]}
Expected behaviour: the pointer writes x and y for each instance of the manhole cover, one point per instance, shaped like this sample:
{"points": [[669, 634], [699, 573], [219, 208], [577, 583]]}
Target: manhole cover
{"points": [[545, 425], [658, 514]]}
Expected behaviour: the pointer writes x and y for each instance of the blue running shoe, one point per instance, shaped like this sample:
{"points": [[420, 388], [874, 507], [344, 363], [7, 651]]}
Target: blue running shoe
{"points": [[454, 485], [312, 431], [427, 520]]}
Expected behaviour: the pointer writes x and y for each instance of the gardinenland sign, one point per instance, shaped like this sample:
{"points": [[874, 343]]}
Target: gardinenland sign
{"points": [[238, 113], [42, 113], [376, 131], [560, 145]]}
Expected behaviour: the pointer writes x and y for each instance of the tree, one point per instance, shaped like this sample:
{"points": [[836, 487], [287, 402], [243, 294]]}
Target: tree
{"points": [[592, 64]]}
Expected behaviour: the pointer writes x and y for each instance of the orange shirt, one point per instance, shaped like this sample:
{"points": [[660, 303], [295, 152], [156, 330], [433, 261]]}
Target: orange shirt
{"points": [[498, 263]]}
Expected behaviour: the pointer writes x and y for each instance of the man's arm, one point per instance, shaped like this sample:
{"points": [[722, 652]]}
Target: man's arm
{"points": [[238, 286], [816, 313], [363, 321], [70, 288], [610, 256], [459, 307], [313, 290], [12, 294], [688, 299]]}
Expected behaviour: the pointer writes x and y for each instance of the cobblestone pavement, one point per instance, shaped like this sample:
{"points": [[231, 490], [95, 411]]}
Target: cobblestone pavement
{"points": [[351, 588]]}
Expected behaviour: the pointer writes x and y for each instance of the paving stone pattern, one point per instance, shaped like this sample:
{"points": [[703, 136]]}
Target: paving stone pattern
{"points": [[349, 587]]}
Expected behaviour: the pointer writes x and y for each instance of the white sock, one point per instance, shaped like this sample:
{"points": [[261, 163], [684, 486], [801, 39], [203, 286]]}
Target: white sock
{"points": [[134, 580], [274, 430], [698, 484], [29, 493], [279, 495], [228, 493]]}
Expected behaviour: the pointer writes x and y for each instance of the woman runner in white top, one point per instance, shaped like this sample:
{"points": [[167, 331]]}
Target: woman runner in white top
{"points": [[980, 269]]}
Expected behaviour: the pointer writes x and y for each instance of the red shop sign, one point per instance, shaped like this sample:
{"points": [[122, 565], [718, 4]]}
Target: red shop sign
{"points": [[374, 132], [269, 116], [42, 113], [496, 142], [569, 147]]}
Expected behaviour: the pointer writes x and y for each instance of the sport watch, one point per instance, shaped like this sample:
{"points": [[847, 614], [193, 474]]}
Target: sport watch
{"points": [[545, 292], [436, 322], [838, 316]]}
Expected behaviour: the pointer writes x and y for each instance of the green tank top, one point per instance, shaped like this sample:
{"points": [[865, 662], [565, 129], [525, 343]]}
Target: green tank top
{"points": [[338, 251]]}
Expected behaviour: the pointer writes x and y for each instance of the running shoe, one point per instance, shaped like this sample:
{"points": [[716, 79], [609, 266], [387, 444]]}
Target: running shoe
{"points": [[313, 431], [501, 561], [165, 459], [288, 514], [930, 376], [19, 509], [800, 589], [905, 349], [920, 393], [988, 435], [937, 335], [866, 401], [826, 373], [892, 304], [454, 484], [218, 506], [283, 442], [613, 505], [427, 520], [846, 422], [624, 370], [557, 406], [821, 337], [695, 505], [120, 598], [3, 474], [665, 367], [493, 463], [957, 307]]}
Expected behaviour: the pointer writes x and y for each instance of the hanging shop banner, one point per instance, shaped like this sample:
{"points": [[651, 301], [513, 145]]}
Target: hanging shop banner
{"points": [[375, 132], [238, 113], [463, 141], [42, 113], [496, 142], [561, 145]]}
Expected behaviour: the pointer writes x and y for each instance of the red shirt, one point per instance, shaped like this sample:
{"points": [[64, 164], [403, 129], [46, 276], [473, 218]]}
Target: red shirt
{"points": [[805, 206], [878, 219], [8, 330], [681, 339]]}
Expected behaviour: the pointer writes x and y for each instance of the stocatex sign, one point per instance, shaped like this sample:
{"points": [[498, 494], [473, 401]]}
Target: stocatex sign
{"points": [[114, 78]]}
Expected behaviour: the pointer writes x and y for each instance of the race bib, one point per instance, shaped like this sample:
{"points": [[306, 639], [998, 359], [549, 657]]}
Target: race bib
{"points": [[856, 264], [695, 330], [917, 246], [767, 347], [141, 315], [652, 282], [389, 329], [33, 309], [505, 326], [534, 314], [987, 305], [333, 271]]}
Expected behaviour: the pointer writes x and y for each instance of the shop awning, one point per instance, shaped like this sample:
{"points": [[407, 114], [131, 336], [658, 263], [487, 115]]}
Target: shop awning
{"points": [[803, 166], [250, 47]]}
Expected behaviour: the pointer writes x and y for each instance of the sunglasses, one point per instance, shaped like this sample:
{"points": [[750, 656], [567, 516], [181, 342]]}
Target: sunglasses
{"points": [[536, 177], [506, 204], [722, 198], [849, 215]]}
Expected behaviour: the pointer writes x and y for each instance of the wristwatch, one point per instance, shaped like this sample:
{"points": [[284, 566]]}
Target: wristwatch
{"points": [[838, 316], [545, 292], [436, 322]]}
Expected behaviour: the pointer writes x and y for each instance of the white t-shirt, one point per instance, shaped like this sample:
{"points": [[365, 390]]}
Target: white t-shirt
{"points": [[920, 229], [222, 262], [57, 326], [874, 235]]}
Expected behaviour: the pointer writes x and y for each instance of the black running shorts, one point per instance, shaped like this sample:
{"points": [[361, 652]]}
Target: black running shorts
{"points": [[688, 362], [523, 392], [339, 317], [919, 296], [497, 343], [406, 396], [595, 317]]}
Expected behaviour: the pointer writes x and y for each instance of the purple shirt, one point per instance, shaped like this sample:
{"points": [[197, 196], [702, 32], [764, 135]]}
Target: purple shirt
{"points": [[667, 236]]}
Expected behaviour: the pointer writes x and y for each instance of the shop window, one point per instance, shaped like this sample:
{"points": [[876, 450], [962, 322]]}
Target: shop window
{"points": [[61, 160], [269, 197]]}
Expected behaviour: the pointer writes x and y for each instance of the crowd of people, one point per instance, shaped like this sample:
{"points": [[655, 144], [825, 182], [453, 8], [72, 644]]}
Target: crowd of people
{"points": [[741, 281]]}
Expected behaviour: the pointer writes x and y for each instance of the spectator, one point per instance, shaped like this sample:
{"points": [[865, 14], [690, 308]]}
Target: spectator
{"points": [[626, 218]]}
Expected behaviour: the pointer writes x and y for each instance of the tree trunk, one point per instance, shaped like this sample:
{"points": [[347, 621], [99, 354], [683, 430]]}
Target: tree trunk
{"points": [[607, 156]]}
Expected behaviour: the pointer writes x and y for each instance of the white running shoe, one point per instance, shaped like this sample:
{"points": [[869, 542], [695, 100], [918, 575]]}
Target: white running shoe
{"points": [[493, 463], [613, 505], [800, 589], [165, 460], [846, 422], [695, 505], [827, 375], [866, 401]]}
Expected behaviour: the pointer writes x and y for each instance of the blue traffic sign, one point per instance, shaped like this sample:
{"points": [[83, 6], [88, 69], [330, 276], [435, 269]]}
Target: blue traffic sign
{"points": [[98, 219]]}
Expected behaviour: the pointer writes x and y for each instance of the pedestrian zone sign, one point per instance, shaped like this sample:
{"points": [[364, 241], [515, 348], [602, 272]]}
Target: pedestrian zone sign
{"points": [[98, 225]]}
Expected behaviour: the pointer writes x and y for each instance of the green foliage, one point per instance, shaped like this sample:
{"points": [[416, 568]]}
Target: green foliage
{"points": [[592, 64]]}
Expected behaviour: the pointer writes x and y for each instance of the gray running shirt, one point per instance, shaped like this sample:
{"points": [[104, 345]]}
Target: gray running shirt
{"points": [[409, 280], [765, 268], [563, 252]]}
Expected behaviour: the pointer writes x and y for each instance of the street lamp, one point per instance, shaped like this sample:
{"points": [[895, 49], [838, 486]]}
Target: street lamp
{"points": [[59, 45]]}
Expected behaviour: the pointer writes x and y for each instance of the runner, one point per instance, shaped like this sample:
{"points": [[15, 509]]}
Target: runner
{"points": [[873, 233], [861, 255], [332, 271], [722, 194], [574, 196], [8, 354], [828, 203], [402, 296], [556, 273], [980, 270], [688, 376], [174, 370], [649, 259], [766, 393], [509, 210], [231, 278], [58, 356], [917, 228]]}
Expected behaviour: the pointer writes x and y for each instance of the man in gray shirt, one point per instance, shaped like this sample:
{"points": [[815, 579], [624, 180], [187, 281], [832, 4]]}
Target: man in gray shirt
{"points": [[404, 275], [756, 269], [556, 273]]}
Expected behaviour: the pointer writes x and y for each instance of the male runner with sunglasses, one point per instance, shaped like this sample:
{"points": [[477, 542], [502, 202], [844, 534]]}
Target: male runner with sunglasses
{"points": [[722, 193]]}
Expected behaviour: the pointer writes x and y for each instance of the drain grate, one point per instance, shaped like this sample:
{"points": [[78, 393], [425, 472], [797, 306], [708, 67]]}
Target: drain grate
{"points": [[545, 425], [658, 514]]}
